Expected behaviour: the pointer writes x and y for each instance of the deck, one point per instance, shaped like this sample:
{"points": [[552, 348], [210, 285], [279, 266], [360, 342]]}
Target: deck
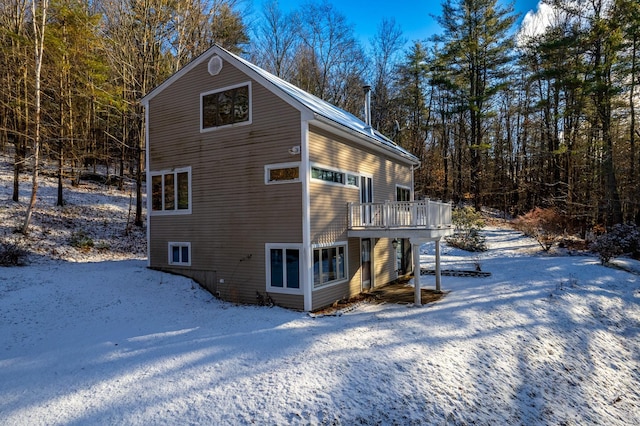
{"points": [[424, 219]]}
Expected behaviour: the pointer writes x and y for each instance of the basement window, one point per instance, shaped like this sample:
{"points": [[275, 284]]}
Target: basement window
{"points": [[283, 268], [180, 254], [329, 265]]}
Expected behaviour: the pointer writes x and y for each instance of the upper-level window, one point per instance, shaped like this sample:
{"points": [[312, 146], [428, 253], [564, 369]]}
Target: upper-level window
{"points": [[332, 176], [403, 193], [171, 191], [327, 175], [282, 173], [226, 107]]}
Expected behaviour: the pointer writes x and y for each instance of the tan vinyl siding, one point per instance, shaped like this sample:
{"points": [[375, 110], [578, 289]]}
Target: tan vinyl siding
{"points": [[329, 207], [385, 262], [233, 212]]}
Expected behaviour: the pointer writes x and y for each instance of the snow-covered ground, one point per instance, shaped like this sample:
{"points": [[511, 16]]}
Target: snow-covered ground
{"points": [[547, 339]]}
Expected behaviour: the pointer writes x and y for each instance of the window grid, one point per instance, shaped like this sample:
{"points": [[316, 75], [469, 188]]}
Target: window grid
{"points": [[329, 265], [283, 268], [226, 107], [180, 253], [170, 191]]}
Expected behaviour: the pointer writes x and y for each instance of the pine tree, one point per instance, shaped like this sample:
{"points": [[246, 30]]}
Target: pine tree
{"points": [[476, 47]]}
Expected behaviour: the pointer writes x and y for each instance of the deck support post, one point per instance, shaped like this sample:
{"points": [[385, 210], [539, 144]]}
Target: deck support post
{"points": [[417, 299], [438, 281]]}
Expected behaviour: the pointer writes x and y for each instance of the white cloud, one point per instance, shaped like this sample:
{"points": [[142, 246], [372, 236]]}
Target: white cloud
{"points": [[536, 22]]}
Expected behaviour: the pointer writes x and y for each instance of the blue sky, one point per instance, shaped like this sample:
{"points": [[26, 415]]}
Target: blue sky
{"points": [[413, 16]]}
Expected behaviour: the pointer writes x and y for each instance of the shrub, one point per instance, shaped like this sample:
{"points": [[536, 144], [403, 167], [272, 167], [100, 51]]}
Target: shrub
{"points": [[12, 255], [544, 225], [81, 240], [621, 239], [467, 226]]}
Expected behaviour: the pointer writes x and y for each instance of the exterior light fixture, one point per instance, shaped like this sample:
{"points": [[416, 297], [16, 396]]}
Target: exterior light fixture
{"points": [[395, 243]]}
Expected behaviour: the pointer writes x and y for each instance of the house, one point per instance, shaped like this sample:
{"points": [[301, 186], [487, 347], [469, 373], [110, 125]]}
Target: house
{"points": [[262, 192]]}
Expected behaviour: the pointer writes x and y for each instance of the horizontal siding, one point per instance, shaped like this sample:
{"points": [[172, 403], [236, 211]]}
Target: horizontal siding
{"points": [[233, 212], [329, 214], [385, 262]]}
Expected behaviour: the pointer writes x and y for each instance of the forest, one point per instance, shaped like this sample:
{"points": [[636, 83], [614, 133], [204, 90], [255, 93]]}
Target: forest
{"points": [[499, 117]]}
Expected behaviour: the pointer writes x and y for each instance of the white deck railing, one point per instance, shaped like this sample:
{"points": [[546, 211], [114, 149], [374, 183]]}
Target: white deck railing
{"points": [[423, 214]]}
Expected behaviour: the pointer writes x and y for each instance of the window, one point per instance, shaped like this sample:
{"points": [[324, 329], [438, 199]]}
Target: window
{"points": [[329, 265], [282, 173], [170, 191], [327, 175], [403, 194], [180, 254], [283, 268], [226, 107], [335, 177]]}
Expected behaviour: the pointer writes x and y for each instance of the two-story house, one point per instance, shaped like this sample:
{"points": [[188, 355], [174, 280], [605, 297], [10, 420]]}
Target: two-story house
{"points": [[260, 191]]}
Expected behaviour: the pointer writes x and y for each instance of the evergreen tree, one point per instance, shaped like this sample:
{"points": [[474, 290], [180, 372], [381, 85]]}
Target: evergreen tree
{"points": [[476, 47]]}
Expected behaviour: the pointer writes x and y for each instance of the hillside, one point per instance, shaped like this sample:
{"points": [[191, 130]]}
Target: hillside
{"points": [[94, 337], [92, 210]]}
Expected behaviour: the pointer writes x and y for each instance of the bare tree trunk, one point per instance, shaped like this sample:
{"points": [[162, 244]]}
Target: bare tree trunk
{"points": [[632, 126], [38, 32]]}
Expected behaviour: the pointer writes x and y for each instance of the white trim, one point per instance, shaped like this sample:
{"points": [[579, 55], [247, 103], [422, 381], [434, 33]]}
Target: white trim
{"points": [[345, 184], [267, 254], [413, 183], [364, 140], [172, 244], [336, 244], [269, 167], [175, 172], [148, 181], [306, 271], [373, 192], [372, 249], [404, 187], [226, 126]]}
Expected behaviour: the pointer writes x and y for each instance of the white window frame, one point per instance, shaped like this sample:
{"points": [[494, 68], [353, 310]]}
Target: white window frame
{"points": [[346, 174], [406, 188], [175, 210], [345, 246], [225, 126], [283, 289], [269, 167], [180, 244]]}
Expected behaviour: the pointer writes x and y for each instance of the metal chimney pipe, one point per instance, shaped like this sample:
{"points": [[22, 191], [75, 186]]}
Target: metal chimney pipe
{"points": [[367, 104]]}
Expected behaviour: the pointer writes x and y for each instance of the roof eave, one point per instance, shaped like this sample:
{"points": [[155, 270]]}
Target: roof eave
{"points": [[364, 139]]}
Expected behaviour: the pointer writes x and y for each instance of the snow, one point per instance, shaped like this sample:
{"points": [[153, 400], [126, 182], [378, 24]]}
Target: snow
{"points": [[97, 338]]}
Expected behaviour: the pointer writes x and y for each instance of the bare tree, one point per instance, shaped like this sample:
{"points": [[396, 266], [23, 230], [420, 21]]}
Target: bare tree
{"points": [[39, 14], [387, 45], [275, 41]]}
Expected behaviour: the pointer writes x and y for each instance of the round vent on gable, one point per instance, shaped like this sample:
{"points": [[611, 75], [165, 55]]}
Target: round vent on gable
{"points": [[215, 65]]}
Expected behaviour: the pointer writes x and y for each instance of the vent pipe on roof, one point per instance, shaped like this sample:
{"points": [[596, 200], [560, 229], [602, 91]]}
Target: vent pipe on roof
{"points": [[367, 105]]}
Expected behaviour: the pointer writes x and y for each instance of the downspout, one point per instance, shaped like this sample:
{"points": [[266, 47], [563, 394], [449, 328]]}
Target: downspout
{"points": [[307, 259], [146, 161]]}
